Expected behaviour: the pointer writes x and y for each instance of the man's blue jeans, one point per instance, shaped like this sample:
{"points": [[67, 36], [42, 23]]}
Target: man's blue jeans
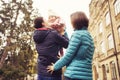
{"points": [[48, 78]]}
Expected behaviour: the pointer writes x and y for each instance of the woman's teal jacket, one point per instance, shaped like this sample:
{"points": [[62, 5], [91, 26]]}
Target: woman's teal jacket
{"points": [[78, 56]]}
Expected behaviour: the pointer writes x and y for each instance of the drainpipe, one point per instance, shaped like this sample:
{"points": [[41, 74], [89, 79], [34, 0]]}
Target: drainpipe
{"points": [[115, 50]]}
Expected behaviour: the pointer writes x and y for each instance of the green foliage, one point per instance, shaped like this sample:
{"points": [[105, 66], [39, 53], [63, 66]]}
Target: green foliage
{"points": [[12, 72], [18, 55]]}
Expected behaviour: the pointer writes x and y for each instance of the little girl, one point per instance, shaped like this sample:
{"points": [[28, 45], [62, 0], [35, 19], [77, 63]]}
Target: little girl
{"points": [[57, 23]]}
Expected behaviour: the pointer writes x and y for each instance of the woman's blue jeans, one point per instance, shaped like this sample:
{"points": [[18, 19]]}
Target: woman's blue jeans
{"points": [[48, 78]]}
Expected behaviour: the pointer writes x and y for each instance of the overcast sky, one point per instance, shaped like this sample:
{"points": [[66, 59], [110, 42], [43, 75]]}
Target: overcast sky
{"points": [[62, 7]]}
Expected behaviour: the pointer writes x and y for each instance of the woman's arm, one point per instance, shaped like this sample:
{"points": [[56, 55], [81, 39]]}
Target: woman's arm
{"points": [[70, 53]]}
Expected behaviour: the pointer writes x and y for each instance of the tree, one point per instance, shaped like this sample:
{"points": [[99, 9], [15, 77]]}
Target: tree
{"points": [[16, 29]]}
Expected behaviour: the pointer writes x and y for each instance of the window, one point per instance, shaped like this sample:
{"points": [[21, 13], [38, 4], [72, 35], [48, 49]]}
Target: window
{"points": [[117, 7], [103, 50], [100, 28], [113, 71], [110, 41], [104, 72], [95, 73], [107, 19], [119, 31]]}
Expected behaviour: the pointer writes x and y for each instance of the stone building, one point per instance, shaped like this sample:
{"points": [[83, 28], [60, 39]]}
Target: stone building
{"points": [[104, 27]]}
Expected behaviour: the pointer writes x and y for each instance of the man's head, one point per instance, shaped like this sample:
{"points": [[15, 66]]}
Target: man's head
{"points": [[38, 22]]}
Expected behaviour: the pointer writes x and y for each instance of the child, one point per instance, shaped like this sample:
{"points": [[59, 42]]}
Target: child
{"points": [[57, 23]]}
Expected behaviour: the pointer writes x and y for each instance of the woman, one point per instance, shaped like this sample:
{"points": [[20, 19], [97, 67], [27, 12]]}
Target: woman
{"points": [[48, 43], [78, 56]]}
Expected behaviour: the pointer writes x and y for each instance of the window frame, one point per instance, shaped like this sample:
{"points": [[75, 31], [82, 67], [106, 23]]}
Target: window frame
{"points": [[113, 70], [107, 18], [110, 41], [117, 7]]}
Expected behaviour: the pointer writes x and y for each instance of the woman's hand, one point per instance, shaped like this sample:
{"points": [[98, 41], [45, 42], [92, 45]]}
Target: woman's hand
{"points": [[50, 68]]}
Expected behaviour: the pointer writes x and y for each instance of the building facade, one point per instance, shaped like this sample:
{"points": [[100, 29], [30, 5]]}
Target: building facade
{"points": [[104, 27]]}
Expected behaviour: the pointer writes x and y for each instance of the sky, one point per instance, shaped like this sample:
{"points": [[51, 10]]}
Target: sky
{"points": [[63, 8]]}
